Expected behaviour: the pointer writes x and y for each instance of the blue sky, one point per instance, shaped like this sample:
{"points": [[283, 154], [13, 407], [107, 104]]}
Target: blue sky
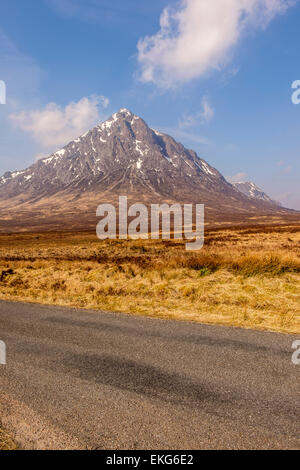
{"points": [[216, 78]]}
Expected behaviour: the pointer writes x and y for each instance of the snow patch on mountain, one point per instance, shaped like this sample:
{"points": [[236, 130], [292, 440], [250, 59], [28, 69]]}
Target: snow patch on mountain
{"points": [[249, 189]]}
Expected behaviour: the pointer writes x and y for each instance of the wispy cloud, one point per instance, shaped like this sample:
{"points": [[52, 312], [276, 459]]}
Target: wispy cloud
{"points": [[86, 10], [185, 137], [238, 178], [97, 11], [284, 166], [21, 73], [289, 199], [23, 77], [198, 36], [203, 116], [55, 126]]}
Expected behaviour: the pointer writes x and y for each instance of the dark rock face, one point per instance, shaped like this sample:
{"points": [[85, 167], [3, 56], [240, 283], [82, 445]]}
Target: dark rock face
{"points": [[122, 156]]}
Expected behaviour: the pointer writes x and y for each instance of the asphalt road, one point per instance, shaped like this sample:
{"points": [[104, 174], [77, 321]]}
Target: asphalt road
{"points": [[86, 379]]}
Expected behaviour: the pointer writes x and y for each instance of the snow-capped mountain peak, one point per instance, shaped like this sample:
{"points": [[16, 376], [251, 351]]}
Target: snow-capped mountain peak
{"points": [[122, 155], [252, 191]]}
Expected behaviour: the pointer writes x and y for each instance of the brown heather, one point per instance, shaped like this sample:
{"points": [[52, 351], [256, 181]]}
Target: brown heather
{"points": [[244, 277]]}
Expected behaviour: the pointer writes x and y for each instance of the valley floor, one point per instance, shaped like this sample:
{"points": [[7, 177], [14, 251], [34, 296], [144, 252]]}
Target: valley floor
{"points": [[245, 277]]}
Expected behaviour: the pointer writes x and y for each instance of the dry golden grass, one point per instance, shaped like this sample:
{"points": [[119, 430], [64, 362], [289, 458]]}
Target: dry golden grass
{"points": [[6, 442], [246, 277]]}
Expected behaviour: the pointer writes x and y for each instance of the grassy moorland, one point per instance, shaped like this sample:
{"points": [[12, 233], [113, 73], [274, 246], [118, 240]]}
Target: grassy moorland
{"points": [[246, 277]]}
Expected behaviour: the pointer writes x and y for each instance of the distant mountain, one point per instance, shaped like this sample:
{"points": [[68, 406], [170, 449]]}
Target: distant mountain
{"points": [[121, 156], [251, 190]]}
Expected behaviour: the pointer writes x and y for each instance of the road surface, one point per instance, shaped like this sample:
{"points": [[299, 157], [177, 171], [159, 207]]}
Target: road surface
{"points": [[95, 380]]}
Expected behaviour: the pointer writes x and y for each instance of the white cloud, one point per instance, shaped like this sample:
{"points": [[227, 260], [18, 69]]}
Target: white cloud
{"points": [[238, 178], [197, 36], [55, 126], [203, 116]]}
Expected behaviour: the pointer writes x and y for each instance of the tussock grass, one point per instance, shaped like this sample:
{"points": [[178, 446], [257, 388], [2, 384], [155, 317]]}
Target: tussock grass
{"points": [[6, 441], [244, 264], [247, 278]]}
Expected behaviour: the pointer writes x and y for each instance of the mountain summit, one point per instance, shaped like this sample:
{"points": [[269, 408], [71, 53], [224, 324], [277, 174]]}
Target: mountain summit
{"points": [[251, 190], [121, 153], [121, 156]]}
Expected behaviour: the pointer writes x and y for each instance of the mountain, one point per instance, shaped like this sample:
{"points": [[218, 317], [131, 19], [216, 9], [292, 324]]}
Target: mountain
{"points": [[251, 190], [122, 153], [121, 156]]}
